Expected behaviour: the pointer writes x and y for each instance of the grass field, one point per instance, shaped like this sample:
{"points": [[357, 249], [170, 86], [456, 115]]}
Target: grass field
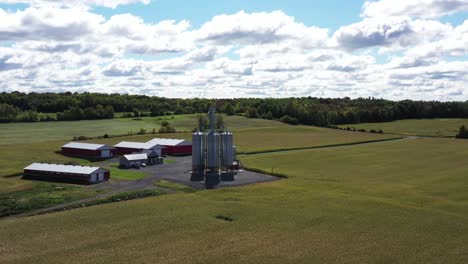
{"points": [[392, 202], [418, 127], [31, 195], [251, 140], [49, 131], [126, 174]]}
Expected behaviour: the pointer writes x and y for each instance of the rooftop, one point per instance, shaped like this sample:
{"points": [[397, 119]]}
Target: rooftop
{"points": [[137, 145], [89, 146], [140, 156], [169, 142], [62, 168]]}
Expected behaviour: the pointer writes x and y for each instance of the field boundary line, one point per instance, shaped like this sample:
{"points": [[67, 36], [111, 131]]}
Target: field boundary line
{"points": [[324, 146]]}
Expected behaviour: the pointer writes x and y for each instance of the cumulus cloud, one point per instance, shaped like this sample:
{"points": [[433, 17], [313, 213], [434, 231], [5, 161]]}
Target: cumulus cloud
{"points": [[47, 23], [267, 54], [414, 8], [259, 28], [389, 31]]}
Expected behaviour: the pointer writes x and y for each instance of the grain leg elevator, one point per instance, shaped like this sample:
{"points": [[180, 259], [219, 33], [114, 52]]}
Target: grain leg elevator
{"points": [[213, 155]]}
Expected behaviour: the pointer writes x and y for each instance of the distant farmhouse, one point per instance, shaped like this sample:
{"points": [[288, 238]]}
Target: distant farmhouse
{"points": [[88, 150], [164, 146], [66, 173]]}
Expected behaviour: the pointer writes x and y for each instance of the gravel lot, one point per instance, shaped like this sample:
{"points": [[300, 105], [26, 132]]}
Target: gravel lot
{"points": [[179, 171]]}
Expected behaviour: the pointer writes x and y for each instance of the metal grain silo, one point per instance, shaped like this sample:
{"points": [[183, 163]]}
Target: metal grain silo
{"points": [[198, 159], [227, 149], [198, 148], [212, 151]]}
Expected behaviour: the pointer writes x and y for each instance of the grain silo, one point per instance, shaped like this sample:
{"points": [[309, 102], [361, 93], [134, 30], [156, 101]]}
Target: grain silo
{"points": [[198, 156], [213, 155], [227, 156], [212, 152]]}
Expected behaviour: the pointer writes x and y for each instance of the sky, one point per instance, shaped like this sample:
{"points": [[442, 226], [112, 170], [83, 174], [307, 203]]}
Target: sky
{"points": [[392, 49]]}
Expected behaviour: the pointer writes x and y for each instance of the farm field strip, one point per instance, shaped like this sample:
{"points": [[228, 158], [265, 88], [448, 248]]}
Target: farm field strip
{"points": [[65, 130], [396, 202], [440, 127]]}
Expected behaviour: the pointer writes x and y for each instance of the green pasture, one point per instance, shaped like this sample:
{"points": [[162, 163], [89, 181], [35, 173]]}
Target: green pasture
{"points": [[441, 127], [12, 133], [400, 201], [247, 140]]}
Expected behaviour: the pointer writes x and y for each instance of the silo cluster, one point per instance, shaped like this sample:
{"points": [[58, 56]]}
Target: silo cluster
{"points": [[213, 155]]}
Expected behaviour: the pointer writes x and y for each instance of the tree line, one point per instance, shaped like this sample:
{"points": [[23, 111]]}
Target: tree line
{"points": [[304, 110]]}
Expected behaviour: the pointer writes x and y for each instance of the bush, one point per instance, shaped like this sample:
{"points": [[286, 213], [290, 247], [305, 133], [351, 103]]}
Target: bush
{"points": [[289, 120], [462, 133]]}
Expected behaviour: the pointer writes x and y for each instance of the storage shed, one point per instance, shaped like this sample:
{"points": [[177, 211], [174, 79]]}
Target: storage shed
{"points": [[126, 147], [66, 173], [153, 157], [88, 150], [133, 160], [173, 146]]}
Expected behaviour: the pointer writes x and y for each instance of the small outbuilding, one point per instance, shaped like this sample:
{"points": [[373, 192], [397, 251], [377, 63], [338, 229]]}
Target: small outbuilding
{"points": [[153, 157], [66, 173], [133, 160], [88, 150]]}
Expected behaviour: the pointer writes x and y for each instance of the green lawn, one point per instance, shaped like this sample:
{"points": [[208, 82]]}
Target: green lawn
{"points": [[247, 140], [393, 202], [418, 127], [122, 174], [173, 186], [290, 137], [49, 131], [30, 195]]}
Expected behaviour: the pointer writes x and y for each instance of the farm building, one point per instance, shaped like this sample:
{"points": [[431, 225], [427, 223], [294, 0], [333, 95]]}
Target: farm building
{"points": [[153, 157], [88, 150], [133, 160], [66, 173], [173, 146], [126, 147], [146, 157]]}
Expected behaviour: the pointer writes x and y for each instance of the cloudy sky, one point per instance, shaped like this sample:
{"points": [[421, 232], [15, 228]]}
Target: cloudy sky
{"points": [[393, 49]]}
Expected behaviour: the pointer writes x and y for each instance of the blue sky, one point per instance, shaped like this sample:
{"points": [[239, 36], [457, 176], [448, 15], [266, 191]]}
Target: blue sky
{"points": [[395, 49], [330, 14]]}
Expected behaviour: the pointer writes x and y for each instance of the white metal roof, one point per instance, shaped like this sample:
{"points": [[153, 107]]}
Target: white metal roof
{"points": [[89, 146], [140, 156], [169, 142], [138, 145], [62, 168]]}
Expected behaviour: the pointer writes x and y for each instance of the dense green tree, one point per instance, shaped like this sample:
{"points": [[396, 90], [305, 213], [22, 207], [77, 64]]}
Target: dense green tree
{"points": [[462, 133], [229, 109], [7, 113]]}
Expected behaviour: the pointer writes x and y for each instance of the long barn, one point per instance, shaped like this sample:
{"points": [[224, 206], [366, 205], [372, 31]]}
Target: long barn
{"points": [[127, 147], [66, 173], [173, 146], [88, 150], [166, 146]]}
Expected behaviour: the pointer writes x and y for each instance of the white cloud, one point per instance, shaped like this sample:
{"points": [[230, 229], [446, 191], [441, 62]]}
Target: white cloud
{"points": [[47, 23], [414, 8], [389, 31], [260, 28], [57, 48]]}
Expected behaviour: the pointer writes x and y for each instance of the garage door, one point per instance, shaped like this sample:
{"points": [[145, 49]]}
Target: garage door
{"points": [[93, 177], [101, 176], [105, 153]]}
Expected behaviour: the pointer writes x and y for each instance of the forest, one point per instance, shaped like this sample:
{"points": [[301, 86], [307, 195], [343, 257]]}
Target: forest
{"points": [[30, 107]]}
